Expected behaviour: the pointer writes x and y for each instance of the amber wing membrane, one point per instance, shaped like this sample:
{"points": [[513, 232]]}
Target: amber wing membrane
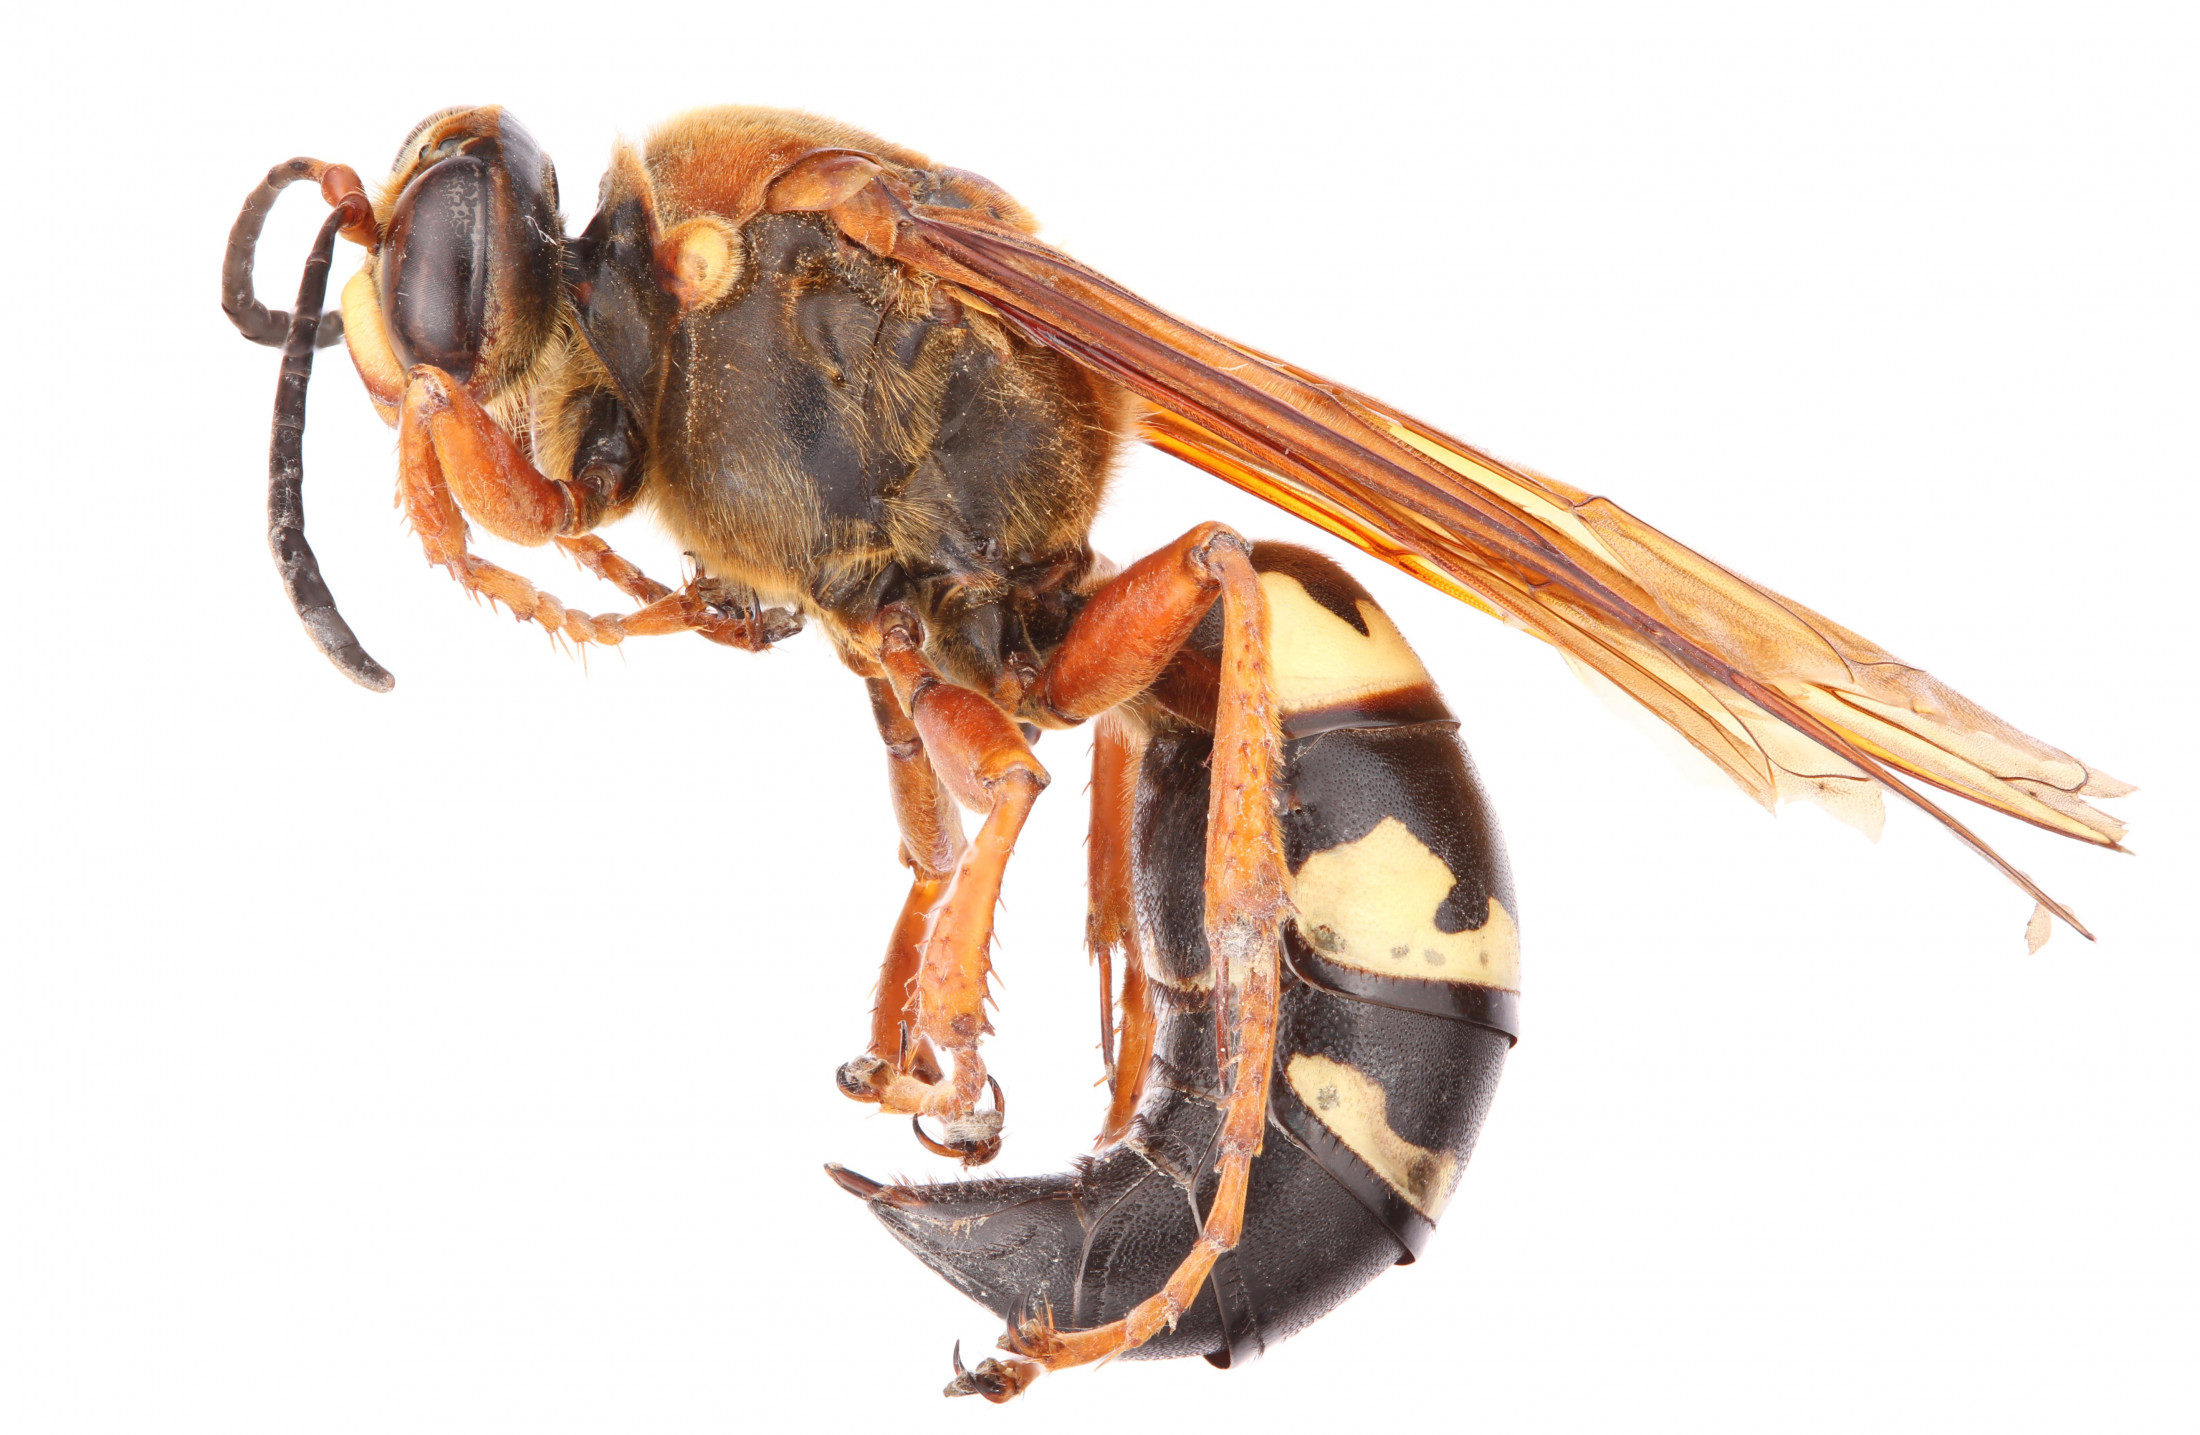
{"points": [[1784, 701]]}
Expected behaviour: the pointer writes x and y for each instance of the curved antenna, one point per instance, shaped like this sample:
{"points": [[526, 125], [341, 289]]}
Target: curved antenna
{"points": [[286, 469], [253, 319]]}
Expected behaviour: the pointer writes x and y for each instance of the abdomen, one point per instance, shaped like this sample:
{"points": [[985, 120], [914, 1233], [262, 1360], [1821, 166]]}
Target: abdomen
{"points": [[1399, 992]]}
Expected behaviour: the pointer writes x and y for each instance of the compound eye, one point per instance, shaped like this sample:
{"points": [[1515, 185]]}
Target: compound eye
{"points": [[468, 271], [435, 267]]}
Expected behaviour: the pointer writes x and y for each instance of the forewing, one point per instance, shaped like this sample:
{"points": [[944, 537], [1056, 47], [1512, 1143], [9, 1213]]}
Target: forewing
{"points": [[1784, 701]]}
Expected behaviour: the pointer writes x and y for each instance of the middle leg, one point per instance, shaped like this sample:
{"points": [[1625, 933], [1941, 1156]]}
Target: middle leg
{"points": [[1127, 633], [931, 844], [1111, 923], [984, 763]]}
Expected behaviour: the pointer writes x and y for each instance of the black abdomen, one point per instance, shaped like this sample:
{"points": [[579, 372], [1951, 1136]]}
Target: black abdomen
{"points": [[1398, 1004]]}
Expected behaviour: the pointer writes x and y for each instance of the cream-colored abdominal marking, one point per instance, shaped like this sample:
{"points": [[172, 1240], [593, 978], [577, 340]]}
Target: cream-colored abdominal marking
{"points": [[1371, 904], [1321, 660], [1355, 1107]]}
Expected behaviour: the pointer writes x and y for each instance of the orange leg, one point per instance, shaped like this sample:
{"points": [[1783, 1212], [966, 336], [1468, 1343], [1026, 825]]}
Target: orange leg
{"points": [[931, 842], [1126, 634], [1111, 923], [1246, 899], [984, 762], [455, 461], [725, 613], [895, 1043], [595, 555], [1131, 627]]}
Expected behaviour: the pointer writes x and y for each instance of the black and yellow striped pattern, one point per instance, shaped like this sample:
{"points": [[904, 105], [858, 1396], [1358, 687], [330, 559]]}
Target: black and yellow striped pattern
{"points": [[1400, 998]]}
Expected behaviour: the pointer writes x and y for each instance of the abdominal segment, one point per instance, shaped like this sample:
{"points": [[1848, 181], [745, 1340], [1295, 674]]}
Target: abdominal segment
{"points": [[1399, 1002]]}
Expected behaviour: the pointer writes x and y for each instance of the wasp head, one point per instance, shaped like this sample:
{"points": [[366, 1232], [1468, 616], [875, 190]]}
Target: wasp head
{"points": [[469, 263]]}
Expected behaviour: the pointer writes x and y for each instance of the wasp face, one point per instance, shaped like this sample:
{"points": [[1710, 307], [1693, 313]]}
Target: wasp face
{"points": [[469, 264]]}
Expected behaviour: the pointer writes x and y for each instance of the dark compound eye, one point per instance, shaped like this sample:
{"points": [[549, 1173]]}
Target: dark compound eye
{"points": [[436, 266], [469, 265]]}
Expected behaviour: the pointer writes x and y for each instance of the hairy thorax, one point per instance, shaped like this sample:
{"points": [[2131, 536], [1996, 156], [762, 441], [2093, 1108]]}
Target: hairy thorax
{"points": [[836, 434]]}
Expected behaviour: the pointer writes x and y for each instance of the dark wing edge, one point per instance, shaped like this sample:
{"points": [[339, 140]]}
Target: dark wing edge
{"points": [[1787, 703]]}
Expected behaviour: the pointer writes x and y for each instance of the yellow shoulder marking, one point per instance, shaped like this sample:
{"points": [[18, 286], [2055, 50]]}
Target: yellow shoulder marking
{"points": [[1371, 904], [1320, 660], [1354, 1105]]}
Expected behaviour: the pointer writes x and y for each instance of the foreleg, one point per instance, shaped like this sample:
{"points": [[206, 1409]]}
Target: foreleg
{"points": [[721, 611], [455, 462]]}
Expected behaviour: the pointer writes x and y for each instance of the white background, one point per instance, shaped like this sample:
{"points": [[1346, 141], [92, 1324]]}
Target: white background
{"points": [[460, 1059]]}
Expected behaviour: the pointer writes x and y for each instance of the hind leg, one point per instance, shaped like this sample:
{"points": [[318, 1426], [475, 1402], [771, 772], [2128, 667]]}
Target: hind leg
{"points": [[1246, 897]]}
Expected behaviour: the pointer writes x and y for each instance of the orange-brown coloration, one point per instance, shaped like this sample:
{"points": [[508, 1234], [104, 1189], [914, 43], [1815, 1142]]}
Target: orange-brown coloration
{"points": [[442, 432], [973, 744], [496, 484], [894, 1037], [1785, 701], [412, 156], [340, 186], [821, 180], [1247, 898], [931, 844], [724, 159], [952, 982], [1111, 922], [595, 555], [698, 260], [727, 159], [1141, 616], [931, 833], [1130, 629], [984, 761]]}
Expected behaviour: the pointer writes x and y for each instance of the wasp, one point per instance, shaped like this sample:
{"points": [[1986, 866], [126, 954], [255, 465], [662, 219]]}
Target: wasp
{"points": [[863, 395]]}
